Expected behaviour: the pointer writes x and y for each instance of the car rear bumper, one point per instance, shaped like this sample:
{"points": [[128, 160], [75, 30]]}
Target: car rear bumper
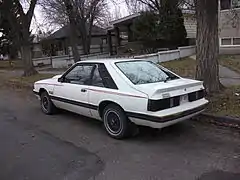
{"points": [[163, 121]]}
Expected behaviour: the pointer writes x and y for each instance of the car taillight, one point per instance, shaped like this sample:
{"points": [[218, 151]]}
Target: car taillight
{"points": [[196, 95], [161, 104]]}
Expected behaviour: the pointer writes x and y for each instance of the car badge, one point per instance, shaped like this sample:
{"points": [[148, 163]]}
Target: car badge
{"points": [[166, 95]]}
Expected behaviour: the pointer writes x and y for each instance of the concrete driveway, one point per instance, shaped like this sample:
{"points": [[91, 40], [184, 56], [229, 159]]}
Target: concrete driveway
{"points": [[68, 146]]}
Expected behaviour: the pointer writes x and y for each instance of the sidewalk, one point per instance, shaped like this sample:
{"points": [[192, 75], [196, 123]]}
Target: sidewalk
{"points": [[227, 76]]}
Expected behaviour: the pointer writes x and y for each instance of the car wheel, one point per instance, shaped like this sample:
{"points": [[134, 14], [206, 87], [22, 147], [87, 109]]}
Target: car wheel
{"points": [[116, 122], [47, 105]]}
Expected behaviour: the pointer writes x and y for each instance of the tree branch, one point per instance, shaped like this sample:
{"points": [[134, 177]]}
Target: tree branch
{"points": [[31, 11], [148, 4], [94, 3], [19, 8]]}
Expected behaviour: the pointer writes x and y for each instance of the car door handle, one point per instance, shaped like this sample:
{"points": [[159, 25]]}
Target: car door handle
{"points": [[83, 90]]}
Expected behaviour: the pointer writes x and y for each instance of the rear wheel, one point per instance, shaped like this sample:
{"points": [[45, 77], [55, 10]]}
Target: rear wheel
{"points": [[116, 122], [47, 105]]}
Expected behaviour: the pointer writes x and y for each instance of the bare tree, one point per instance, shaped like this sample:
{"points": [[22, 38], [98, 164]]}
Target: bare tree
{"points": [[71, 13], [80, 15], [62, 13], [207, 37], [135, 6], [208, 44], [54, 12], [106, 19], [154, 5], [87, 11], [12, 12]]}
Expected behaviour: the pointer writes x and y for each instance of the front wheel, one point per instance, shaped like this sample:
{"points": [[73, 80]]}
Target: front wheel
{"points": [[47, 105], [116, 122]]}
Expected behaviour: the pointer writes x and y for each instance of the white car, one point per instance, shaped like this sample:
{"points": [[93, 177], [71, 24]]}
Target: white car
{"points": [[123, 93]]}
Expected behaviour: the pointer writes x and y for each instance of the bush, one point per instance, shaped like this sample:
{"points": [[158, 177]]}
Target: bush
{"points": [[166, 26]]}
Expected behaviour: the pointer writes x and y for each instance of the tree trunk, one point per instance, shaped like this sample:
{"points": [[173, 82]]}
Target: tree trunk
{"points": [[84, 36], [73, 29], [26, 54], [207, 68], [74, 43], [89, 35]]}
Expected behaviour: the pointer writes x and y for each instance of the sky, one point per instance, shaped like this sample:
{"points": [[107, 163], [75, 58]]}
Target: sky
{"points": [[39, 22]]}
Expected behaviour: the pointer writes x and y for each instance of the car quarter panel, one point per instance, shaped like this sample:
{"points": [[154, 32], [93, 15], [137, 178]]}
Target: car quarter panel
{"points": [[126, 96], [128, 101]]}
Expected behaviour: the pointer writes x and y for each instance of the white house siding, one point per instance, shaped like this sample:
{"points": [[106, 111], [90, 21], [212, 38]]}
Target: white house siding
{"points": [[229, 31], [190, 25], [230, 50], [93, 50], [37, 50]]}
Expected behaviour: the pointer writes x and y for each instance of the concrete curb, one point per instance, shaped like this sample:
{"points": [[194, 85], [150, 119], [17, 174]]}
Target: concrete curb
{"points": [[221, 120]]}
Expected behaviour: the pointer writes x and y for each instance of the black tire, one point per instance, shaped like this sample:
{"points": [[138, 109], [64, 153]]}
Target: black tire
{"points": [[116, 122], [47, 105]]}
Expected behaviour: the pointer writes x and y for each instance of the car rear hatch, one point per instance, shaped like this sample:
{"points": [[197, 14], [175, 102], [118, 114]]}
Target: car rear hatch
{"points": [[172, 93]]}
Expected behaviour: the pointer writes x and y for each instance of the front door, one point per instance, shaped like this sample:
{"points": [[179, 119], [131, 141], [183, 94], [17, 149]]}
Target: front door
{"points": [[71, 93]]}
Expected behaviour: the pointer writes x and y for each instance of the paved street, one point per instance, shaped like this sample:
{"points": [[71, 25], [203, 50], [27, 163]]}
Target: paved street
{"points": [[68, 146]]}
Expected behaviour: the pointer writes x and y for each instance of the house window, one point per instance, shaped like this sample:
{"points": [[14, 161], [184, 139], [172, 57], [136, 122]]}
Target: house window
{"points": [[229, 4], [225, 4], [236, 41], [226, 41], [231, 41]]}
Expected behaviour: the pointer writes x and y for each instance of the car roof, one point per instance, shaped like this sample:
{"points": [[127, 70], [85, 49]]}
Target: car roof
{"points": [[108, 60]]}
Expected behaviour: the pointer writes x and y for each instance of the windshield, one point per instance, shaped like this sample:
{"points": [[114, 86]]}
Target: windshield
{"points": [[143, 72]]}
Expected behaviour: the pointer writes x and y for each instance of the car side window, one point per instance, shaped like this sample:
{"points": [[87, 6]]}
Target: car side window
{"points": [[106, 77], [97, 79], [80, 74]]}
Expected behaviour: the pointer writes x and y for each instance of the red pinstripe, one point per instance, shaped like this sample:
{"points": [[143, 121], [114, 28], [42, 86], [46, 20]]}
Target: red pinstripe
{"points": [[116, 93], [49, 84], [102, 91]]}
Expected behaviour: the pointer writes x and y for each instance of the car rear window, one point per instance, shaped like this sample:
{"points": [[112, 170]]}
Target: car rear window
{"points": [[143, 72]]}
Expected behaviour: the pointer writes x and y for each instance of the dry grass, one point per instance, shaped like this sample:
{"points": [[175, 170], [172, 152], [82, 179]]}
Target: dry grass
{"points": [[226, 103], [232, 62], [11, 64], [21, 82], [184, 67]]}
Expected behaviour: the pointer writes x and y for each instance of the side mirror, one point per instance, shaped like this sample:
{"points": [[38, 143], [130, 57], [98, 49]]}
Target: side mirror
{"points": [[60, 79]]}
